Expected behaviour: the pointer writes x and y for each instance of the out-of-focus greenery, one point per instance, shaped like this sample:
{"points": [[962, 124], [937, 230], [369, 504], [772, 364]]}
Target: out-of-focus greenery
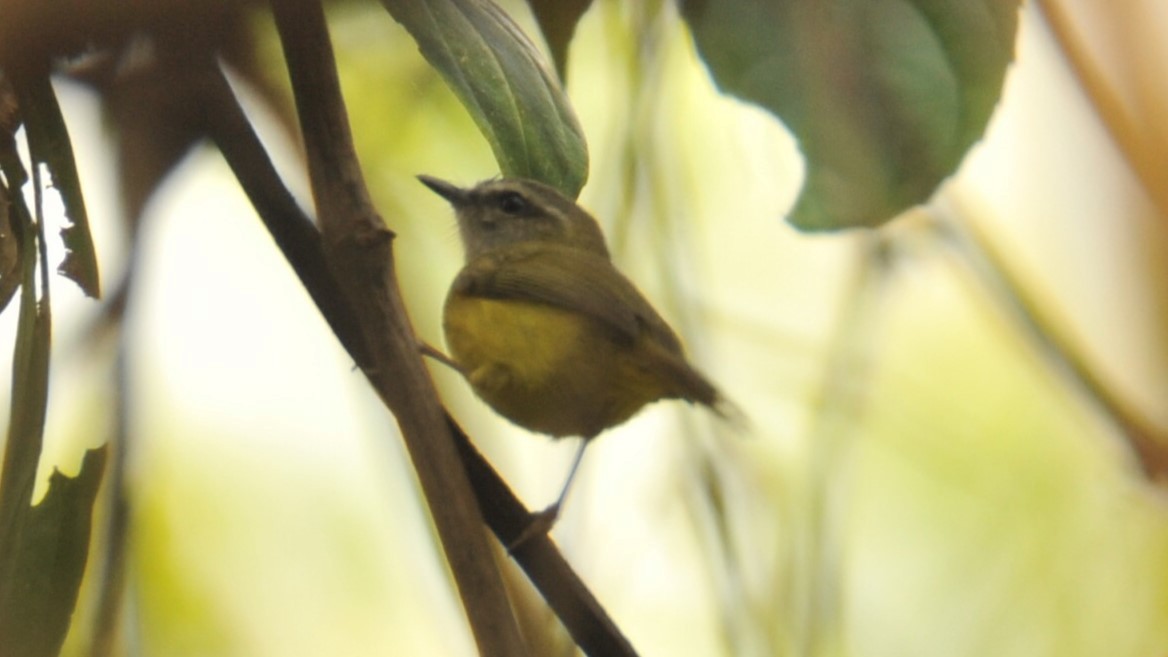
{"points": [[885, 97], [917, 478]]}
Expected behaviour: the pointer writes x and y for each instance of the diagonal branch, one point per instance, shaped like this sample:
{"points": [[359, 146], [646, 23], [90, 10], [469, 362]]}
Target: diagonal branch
{"points": [[1143, 436], [559, 585], [1124, 128], [358, 250], [300, 242]]}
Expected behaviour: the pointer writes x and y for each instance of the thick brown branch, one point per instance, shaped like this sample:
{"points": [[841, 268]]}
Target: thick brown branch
{"points": [[1124, 128], [358, 250], [300, 243]]}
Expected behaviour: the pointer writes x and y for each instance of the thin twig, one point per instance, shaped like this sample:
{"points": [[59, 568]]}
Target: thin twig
{"points": [[841, 399], [294, 233], [1053, 342], [112, 567]]}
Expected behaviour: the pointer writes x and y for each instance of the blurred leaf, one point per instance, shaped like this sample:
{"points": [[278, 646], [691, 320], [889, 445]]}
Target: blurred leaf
{"points": [[30, 372], [37, 602], [885, 96], [557, 20], [43, 549], [505, 85], [152, 91], [26, 421], [151, 86], [49, 143]]}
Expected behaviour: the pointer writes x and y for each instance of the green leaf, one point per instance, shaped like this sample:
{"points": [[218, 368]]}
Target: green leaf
{"points": [[26, 421], [30, 390], [885, 96], [49, 143], [37, 601], [557, 20], [43, 549], [504, 83]]}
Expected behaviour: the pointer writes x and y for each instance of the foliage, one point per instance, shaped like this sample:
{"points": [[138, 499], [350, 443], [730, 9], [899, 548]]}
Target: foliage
{"points": [[42, 548], [886, 98], [502, 80]]}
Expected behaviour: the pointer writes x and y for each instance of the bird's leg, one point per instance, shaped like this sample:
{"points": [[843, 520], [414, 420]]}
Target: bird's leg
{"points": [[543, 521], [433, 352]]}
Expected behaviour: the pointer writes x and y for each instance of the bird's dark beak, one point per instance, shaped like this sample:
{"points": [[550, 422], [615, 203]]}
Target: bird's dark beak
{"points": [[456, 195]]}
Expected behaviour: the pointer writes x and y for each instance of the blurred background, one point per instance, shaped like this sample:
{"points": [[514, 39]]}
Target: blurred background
{"points": [[938, 459]]}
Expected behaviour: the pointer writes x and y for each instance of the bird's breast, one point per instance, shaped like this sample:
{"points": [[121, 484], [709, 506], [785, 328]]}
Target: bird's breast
{"points": [[544, 368], [533, 342]]}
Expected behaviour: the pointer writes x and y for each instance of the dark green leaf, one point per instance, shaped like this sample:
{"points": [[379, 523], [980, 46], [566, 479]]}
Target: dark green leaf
{"points": [[43, 549], [37, 601], [26, 421], [505, 85], [885, 96], [557, 20], [49, 143], [30, 385]]}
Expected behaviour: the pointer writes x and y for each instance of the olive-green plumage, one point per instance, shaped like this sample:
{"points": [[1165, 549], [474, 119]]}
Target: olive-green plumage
{"points": [[547, 331]]}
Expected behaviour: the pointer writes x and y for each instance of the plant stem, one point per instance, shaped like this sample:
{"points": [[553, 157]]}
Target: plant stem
{"points": [[358, 249]]}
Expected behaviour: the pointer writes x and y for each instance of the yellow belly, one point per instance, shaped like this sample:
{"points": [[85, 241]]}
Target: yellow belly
{"points": [[547, 369]]}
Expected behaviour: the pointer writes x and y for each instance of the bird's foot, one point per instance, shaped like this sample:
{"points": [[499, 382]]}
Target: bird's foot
{"points": [[539, 524]]}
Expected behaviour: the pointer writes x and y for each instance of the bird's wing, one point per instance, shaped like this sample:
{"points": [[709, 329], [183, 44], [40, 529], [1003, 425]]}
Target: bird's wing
{"points": [[568, 278]]}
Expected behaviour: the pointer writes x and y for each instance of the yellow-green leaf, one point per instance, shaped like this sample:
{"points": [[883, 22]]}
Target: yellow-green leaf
{"points": [[505, 84]]}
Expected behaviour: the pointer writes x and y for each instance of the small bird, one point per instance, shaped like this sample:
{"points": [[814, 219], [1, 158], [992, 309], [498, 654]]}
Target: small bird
{"points": [[545, 328]]}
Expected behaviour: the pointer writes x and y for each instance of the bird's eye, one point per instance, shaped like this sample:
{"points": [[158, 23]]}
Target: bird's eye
{"points": [[512, 203]]}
